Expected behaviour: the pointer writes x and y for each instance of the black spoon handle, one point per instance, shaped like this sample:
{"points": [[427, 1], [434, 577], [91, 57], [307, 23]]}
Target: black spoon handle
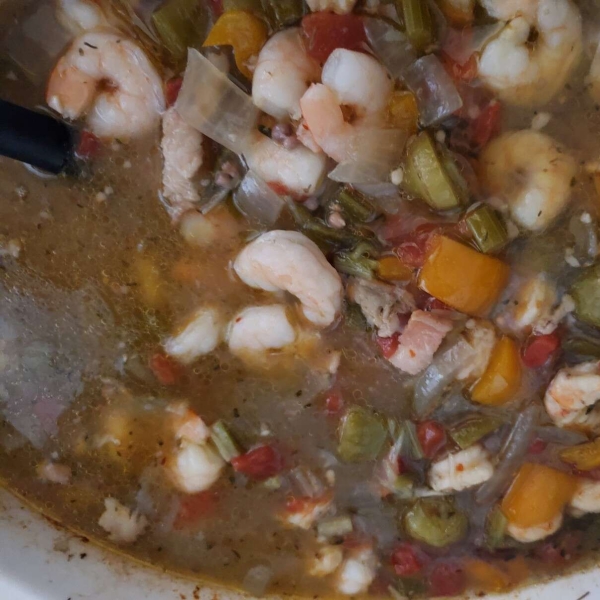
{"points": [[35, 138]]}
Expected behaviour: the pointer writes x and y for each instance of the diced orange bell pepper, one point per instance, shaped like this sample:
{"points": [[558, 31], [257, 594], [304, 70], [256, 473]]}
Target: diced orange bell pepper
{"points": [[486, 577], [402, 112], [502, 377], [458, 15], [537, 495], [243, 31], [393, 269], [584, 457], [461, 277], [518, 570]]}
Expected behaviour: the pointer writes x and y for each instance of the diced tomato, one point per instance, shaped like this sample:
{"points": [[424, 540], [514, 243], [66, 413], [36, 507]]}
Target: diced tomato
{"points": [[447, 579], [260, 463], [89, 145], [216, 6], [466, 72], [487, 124], [388, 345], [431, 437], [537, 446], [413, 249], [166, 370], [334, 402], [539, 348], [195, 507], [173, 87], [405, 561], [327, 31]]}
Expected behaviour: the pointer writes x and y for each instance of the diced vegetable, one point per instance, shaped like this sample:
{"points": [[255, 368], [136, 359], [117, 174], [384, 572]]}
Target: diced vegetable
{"points": [[539, 348], [355, 206], [402, 112], [537, 495], [180, 24], [431, 436], [405, 561], [392, 268], [584, 457], [436, 521], [255, 199], [194, 507], [327, 31], [485, 577], [362, 435], [390, 45], [461, 277], [273, 483], [488, 229], [582, 347], [486, 125], [426, 176], [88, 146], [334, 402], [282, 13], [224, 441], [502, 377], [166, 370], [473, 429], [260, 463], [360, 262], [335, 527], [447, 579], [586, 294], [495, 528], [388, 345], [243, 31], [458, 13], [253, 6], [418, 23], [412, 442]]}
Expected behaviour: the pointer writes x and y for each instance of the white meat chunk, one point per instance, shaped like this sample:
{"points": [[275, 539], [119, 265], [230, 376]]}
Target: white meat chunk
{"points": [[194, 468], [586, 498], [326, 560], [462, 470], [357, 572], [527, 535], [123, 525], [306, 511]]}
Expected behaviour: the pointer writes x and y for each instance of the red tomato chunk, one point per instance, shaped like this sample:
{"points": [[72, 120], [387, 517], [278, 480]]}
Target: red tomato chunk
{"points": [[166, 370], [447, 579], [388, 345], [431, 437], [260, 463], [88, 147], [539, 349], [195, 507], [333, 402], [405, 561], [326, 31]]}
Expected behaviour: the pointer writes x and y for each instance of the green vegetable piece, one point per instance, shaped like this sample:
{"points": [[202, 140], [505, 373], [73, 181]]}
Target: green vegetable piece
{"points": [[282, 13], [582, 347], [335, 527], [473, 429], [273, 483], [495, 528], [362, 435], [223, 440], [426, 176], [418, 23], [413, 446], [355, 206], [487, 228], [360, 262], [253, 6], [436, 521], [586, 294], [180, 24]]}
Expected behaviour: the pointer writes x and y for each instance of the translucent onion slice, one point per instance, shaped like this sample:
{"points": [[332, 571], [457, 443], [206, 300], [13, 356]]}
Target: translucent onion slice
{"points": [[257, 201], [461, 44], [214, 105], [374, 153], [390, 45], [437, 96]]}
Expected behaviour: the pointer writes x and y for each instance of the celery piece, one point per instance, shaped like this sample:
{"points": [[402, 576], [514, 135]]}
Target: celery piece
{"points": [[495, 528], [418, 23], [360, 262], [488, 229], [362, 435], [586, 294], [436, 521], [335, 527], [413, 446], [473, 429], [223, 440], [355, 206], [282, 13], [180, 24]]}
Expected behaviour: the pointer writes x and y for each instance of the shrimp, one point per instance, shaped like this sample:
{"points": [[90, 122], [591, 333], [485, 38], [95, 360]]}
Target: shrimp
{"points": [[283, 72], [123, 525], [419, 341], [297, 171], [357, 571], [80, 15], [462, 470], [572, 394], [353, 80], [531, 173], [586, 498], [193, 467], [535, 533], [326, 560], [181, 147], [187, 425], [288, 260], [340, 7], [304, 512], [257, 329], [531, 73], [108, 78]]}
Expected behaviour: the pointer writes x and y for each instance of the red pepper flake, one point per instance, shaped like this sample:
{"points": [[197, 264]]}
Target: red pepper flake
{"points": [[431, 436], [539, 348], [173, 87], [405, 561], [166, 370], [260, 463], [460, 467], [325, 32]]}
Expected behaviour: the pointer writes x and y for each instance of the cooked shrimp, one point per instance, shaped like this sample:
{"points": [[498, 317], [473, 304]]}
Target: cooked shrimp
{"points": [[297, 171], [353, 80], [419, 341], [283, 72], [531, 173], [194, 468], [572, 393], [474, 349], [304, 512], [123, 525], [357, 571], [340, 7], [110, 80], [526, 73], [586, 498], [80, 15], [326, 560], [535, 533], [288, 260], [181, 147], [218, 227], [257, 329], [462, 470], [200, 336], [187, 425]]}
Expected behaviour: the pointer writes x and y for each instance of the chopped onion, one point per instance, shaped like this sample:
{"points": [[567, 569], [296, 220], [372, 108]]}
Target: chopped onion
{"points": [[390, 45], [257, 201], [257, 580], [461, 44], [306, 482], [511, 456], [214, 105], [374, 152], [437, 96], [383, 195], [562, 437]]}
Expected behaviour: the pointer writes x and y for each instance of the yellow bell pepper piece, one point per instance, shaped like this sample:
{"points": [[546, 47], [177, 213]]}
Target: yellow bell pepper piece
{"points": [[486, 577], [502, 377], [463, 278], [393, 269], [243, 31], [458, 15], [402, 112], [584, 457], [537, 495]]}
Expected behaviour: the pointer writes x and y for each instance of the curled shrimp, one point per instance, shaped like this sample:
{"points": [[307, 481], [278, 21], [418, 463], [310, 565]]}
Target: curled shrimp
{"points": [[530, 73], [352, 80], [284, 70], [109, 79], [288, 260], [531, 173]]}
